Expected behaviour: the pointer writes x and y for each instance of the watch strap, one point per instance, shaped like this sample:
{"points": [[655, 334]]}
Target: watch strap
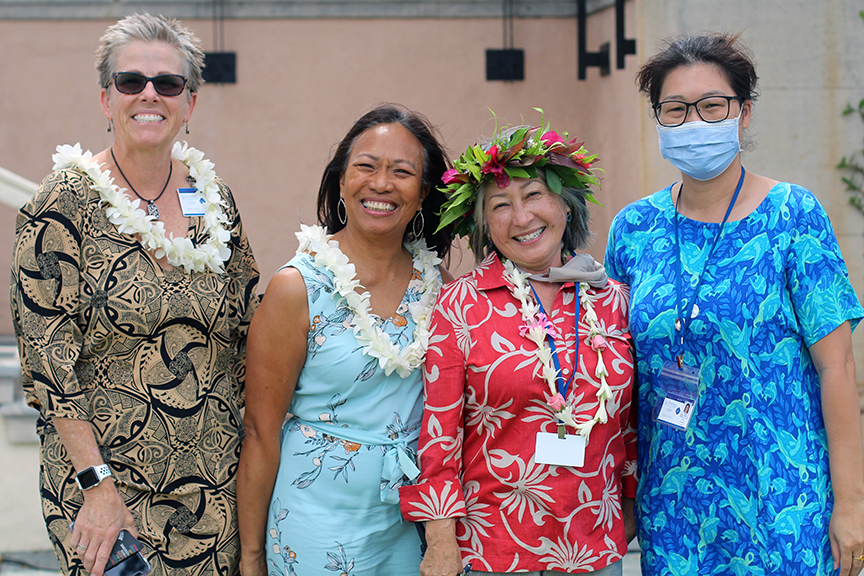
{"points": [[101, 472]]}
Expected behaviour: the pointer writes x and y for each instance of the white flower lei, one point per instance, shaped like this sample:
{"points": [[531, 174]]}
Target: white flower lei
{"points": [[326, 254], [130, 219], [536, 332]]}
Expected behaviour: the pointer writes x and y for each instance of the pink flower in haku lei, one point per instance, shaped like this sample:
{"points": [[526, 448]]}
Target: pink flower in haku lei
{"points": [[598, 342], [539, 321], [496, 168], [551, 137], [453, 175], [555, 402], [580, 160]]}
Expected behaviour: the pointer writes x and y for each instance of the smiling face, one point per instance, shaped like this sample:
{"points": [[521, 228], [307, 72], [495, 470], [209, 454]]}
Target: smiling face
{"points": [[382, 184], [147, 119], [526, 223]]}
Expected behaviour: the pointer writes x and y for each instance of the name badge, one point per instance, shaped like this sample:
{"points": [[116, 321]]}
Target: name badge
{"points": [[676, 411], [567, 451], [191, 201], [679, 394]]}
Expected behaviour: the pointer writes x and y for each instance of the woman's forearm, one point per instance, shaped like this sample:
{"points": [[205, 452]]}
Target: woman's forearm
{"points": [[259, 463], [79, 441], [840, 409], [103, 514]]}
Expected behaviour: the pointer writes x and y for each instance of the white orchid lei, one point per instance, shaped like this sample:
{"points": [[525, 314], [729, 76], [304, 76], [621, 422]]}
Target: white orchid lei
{"points": [[537, 326], [326, 254], [130, 219]]}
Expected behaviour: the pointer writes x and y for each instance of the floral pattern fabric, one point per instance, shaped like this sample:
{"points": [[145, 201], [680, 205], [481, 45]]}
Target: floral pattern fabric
{"points": [[153, 358], [746, 489], [485, 405], [327, 514]]}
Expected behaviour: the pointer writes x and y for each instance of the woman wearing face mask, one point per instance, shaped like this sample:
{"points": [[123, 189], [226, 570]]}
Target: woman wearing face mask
{"points": [[740, 306]]}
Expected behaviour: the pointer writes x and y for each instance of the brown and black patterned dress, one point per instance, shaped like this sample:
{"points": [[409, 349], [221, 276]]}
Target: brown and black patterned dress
{"points": [[153, 358]]}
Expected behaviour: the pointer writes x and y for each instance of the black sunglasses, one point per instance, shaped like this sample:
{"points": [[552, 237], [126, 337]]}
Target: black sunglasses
{"points": [[134, 83]]}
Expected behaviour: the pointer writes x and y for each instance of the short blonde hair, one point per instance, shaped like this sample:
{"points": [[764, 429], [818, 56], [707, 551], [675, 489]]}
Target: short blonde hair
{"points": [[147, 28]]}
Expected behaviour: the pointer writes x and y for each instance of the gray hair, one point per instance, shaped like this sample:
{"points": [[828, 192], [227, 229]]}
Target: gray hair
{"points": [[576, 231], [147, 28]]}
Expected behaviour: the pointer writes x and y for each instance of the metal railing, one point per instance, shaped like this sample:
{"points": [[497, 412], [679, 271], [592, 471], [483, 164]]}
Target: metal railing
{"points": [[15, 191]]}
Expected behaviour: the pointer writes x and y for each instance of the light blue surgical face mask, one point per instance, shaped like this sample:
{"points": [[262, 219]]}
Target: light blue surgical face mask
{"points": [[702, 150]]}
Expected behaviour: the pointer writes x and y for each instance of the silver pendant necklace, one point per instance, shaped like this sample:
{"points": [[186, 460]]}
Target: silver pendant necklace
{"points": [[152, 209]]}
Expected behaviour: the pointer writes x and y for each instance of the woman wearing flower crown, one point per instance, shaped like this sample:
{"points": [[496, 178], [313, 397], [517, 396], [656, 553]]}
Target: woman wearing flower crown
{"points": [[743, 310], [527, 447], [337, 346], [132, 324]]}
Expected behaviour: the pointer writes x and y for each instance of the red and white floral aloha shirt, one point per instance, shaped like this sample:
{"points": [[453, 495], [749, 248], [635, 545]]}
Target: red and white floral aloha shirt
{"points": [[485, 405]]}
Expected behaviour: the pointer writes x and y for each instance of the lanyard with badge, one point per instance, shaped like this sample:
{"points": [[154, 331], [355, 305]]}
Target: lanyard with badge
{"points": [[560, 449], [679, 383]]}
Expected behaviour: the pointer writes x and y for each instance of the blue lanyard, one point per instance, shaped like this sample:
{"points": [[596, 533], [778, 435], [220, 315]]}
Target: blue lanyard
{"points": [[562, 384], [681, 321]]}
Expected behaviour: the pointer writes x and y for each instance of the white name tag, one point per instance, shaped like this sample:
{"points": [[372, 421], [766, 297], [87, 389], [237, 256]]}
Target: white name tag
{"points": [[569, 451], [191, 201], [676, 412]]}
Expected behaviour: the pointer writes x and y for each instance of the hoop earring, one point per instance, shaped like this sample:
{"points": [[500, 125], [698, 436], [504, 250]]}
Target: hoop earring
{"points": [[418, 234], [569, 216], [187, 127], [110, 124], [342, 219]]}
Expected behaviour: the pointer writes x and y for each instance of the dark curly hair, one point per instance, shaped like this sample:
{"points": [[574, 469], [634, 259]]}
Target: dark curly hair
{"points": [[725, 51], [435, 163]]}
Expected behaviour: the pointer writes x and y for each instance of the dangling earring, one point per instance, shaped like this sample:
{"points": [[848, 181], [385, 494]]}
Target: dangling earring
{"points": [[187, 127], [569, 216], [110, 124], [418, 233], [342, 219]]}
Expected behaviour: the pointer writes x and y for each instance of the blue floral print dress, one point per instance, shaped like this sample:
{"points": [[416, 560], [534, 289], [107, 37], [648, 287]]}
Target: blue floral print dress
{"points": [[334, 509], [746, 488]]}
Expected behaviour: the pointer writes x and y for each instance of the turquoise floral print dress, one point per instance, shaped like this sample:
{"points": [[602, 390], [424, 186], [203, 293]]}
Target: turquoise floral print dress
{"points": [[334, 509], [746, 488]]}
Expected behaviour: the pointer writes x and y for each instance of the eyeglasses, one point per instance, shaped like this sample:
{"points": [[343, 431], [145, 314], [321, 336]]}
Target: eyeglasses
{"points": [[134, 83], [710, 109]]}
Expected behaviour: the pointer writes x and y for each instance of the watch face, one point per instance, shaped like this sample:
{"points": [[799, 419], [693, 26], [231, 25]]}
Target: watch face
{"points": [[88, 478]]}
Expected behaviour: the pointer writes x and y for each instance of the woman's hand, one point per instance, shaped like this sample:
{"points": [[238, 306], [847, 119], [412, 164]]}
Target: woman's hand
{"points": [[253, 564], [846, 532], [98, 524], [443, 557]]}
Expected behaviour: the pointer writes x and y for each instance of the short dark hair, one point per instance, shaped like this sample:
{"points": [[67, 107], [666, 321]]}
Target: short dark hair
{"points": [[435, 163], [725, 51]]}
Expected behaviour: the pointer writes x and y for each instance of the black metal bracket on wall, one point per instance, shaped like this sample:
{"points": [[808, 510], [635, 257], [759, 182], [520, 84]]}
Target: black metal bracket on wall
{"points": [[600, 59], [623, 46]]}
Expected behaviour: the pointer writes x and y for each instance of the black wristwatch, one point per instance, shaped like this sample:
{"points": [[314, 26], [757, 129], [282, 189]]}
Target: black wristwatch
{"points": [[91, 477]]}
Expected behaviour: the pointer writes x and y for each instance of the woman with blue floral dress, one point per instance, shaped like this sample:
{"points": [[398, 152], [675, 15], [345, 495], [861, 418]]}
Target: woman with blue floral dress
{"points": [[750, 453], [335, 353]]}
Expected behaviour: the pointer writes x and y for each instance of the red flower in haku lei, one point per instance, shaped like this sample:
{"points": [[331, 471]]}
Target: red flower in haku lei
{"points": [[539, 321], [555, 402], [495, 167], [579, 159], [598, 342], [453, 175]]}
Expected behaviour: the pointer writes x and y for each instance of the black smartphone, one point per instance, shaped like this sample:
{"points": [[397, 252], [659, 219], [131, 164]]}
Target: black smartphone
{"points": [[126, 558]]}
